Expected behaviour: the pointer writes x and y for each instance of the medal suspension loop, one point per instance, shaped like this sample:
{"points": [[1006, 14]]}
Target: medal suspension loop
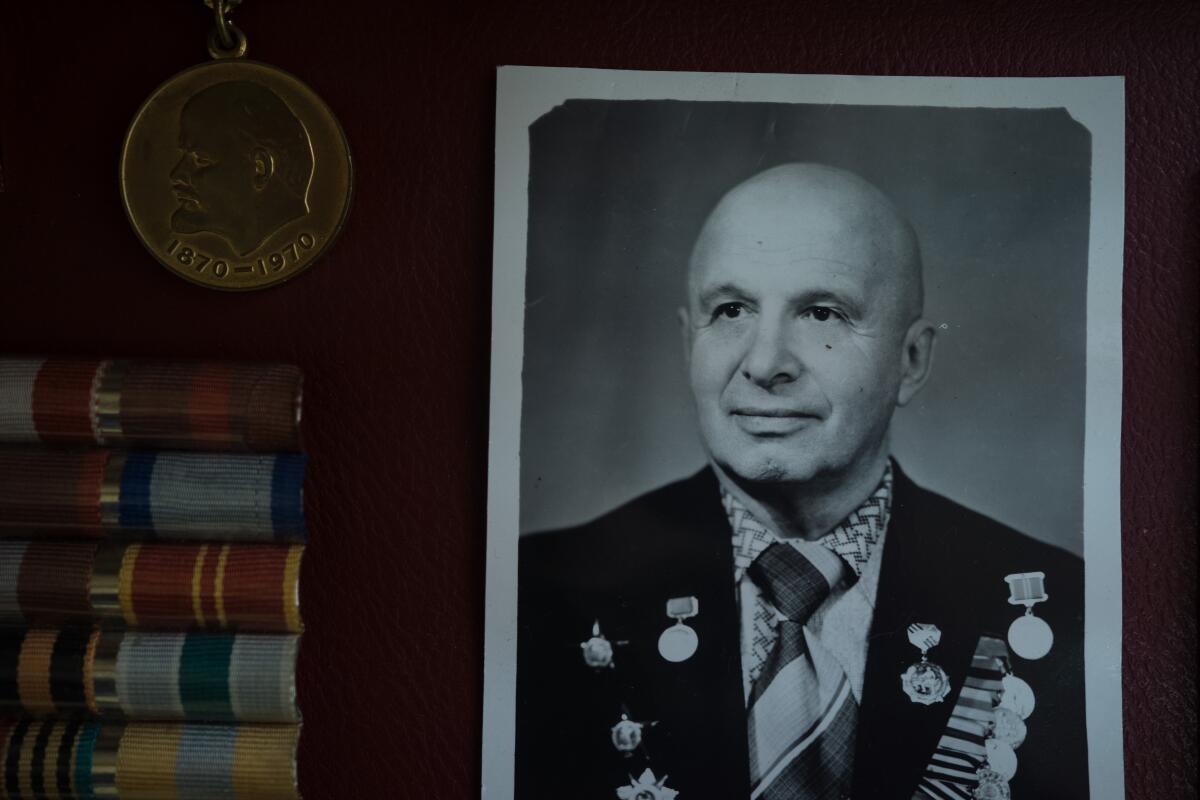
{"points": [[226, 40]]}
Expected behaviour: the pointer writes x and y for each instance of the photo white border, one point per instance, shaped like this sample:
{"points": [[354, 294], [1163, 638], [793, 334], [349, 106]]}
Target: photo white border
{"points": [[526, 93]]}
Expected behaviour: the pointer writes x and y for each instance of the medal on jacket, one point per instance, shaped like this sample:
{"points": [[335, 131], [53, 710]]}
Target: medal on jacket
{"points": [[1006, 730], [679, 642], [1004, 734], [626, 735], [991, 786], [1029, 636], [646, 787], [1007, 726], [925, 682], [598, 650], [234, 174], [1016, 696]]}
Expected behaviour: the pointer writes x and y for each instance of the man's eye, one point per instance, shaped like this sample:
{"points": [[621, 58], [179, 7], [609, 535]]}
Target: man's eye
{"points": [[199, 160], [728, 311], [822, 313]]}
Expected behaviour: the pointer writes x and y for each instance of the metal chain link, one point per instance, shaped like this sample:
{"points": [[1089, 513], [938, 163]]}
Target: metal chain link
{"points": [[226, 41]]}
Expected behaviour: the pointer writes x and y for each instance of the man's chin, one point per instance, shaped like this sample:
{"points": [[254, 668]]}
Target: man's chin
{"points": [[186, 221], [770, 470]]}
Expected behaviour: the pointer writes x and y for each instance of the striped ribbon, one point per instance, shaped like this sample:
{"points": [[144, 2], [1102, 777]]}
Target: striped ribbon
{"points": [[84, 760], [150, 676], [953, 770], [140, 494], [246, 587], [151, 404]]}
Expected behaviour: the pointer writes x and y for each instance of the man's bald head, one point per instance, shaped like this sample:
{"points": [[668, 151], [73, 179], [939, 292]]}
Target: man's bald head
{"points": [[802, 212], [803, 329]]}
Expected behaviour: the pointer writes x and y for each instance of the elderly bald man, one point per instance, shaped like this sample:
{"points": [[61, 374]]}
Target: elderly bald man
{"points": [[798, 620]]}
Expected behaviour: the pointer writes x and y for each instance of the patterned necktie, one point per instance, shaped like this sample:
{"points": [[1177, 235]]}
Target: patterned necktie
{"points": [[801, 730], [854, 540]]}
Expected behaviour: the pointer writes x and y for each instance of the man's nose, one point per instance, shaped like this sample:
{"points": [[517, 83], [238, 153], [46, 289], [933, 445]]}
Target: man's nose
{"points": [[772, 358]]}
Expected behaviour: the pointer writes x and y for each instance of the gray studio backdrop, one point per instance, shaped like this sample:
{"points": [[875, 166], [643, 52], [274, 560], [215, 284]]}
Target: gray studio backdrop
{"points": [[999, 198]]}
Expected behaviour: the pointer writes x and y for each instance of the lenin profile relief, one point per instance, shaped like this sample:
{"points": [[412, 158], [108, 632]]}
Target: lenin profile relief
{"points": [[245, 165]]}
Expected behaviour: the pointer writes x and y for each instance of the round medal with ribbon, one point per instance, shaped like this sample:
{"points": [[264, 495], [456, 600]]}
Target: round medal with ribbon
{"points": [[1029, 636], [680, 641]]}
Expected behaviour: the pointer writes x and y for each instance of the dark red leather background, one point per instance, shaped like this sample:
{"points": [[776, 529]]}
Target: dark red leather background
{"points": [[392, 329]]}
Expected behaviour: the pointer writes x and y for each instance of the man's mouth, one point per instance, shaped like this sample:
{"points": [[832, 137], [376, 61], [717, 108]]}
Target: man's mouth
{"points": [[185, 195], [767, 421], [752, 411]]}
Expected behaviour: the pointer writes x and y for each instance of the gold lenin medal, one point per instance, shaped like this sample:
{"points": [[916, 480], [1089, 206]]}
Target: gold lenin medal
{"points": [[234, 174]]}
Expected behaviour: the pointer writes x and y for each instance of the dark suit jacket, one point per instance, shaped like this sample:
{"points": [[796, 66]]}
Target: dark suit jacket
{"points": [[942, 563]]}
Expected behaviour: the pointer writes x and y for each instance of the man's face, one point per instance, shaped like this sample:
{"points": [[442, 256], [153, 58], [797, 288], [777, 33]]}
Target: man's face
{"points": [[213, 180], [795, 332]]}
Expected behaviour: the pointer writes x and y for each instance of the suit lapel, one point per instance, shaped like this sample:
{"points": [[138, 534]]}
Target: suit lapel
{"points": [[700, 738], [919, 583]]}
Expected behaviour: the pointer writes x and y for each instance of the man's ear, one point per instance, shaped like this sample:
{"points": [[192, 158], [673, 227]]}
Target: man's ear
{"points": [[685, 331], [916, 361], [264, 166]]}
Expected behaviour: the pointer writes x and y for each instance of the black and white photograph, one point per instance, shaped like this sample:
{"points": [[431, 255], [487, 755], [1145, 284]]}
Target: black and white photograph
{"points": [[804, 450]]}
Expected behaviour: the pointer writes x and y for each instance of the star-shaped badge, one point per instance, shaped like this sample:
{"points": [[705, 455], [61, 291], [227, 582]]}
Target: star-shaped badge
{"points": [[627, 733], [647, 787], [597, 651]]}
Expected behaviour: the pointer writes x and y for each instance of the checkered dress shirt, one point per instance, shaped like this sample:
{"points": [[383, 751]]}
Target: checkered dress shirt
{"points": [[854, 540]]}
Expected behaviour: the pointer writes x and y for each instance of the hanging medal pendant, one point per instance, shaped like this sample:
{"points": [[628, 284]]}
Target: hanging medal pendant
{"points": [[991, 786], [1016, 696], [234, 174], [924, 682], [679, 642], [1029, 636]]}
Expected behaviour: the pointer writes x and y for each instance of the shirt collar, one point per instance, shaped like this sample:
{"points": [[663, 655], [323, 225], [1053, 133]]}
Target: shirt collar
{"points": [[854, 538]]}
